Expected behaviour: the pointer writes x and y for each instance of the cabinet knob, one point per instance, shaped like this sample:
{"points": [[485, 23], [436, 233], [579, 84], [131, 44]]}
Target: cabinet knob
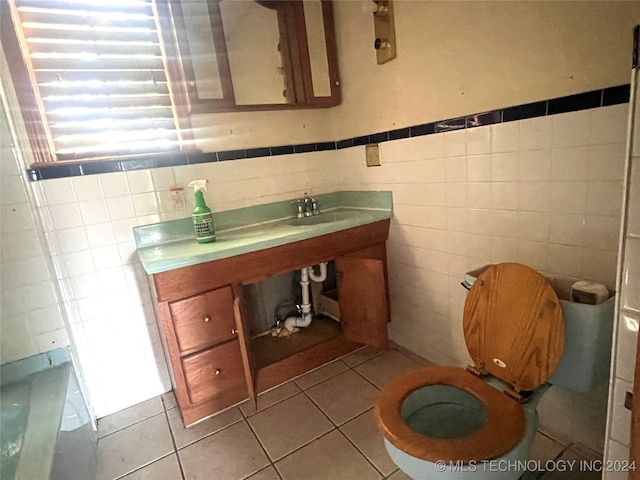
{"points": [[234, 331], [218, 371], [207, 319]]}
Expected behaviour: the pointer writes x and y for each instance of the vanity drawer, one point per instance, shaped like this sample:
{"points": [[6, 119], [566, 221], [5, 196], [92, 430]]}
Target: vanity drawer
{"points": [[216, 373], [204, 320]]}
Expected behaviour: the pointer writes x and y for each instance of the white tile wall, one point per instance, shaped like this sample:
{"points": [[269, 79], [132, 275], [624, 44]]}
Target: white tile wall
{"points": [[30, 319], [546, 192], [616, 452], [628, 313], [105, 288]]}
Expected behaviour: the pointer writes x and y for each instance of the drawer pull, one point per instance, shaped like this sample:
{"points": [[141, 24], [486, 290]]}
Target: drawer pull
{"points": [[234, 331], [218, 371], [207, 319]]}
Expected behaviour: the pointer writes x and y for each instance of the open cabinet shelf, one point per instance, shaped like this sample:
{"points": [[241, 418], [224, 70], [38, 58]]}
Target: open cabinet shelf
{"points": [[268, 350]]}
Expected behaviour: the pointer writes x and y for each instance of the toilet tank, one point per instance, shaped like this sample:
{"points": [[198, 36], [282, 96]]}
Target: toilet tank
{"points": [[588, 334]]}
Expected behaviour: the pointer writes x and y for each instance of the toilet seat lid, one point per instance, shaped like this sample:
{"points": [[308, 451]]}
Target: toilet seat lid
{"points": [[513, 325]]}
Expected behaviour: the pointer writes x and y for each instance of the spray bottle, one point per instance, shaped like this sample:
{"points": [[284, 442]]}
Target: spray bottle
{"points": [[202, 218]]}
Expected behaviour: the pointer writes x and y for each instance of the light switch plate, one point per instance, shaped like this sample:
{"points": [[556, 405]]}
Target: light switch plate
{"points": [[373, 155]]}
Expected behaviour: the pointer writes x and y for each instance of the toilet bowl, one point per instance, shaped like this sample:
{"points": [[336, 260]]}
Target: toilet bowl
{"points": [[448, 422]]}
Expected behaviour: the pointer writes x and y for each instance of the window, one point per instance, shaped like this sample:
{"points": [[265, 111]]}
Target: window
{"points": [[97, 79]]}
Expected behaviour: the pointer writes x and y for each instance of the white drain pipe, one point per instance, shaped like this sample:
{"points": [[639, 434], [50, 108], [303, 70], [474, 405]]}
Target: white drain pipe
{"points": [[306, 273], [323, 273]]}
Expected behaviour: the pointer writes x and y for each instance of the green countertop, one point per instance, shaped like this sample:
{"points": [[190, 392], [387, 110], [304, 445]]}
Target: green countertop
{"points": [[170, 245]]}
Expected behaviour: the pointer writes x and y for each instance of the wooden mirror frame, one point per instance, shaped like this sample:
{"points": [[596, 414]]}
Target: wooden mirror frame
{"points": [[294, 49]]}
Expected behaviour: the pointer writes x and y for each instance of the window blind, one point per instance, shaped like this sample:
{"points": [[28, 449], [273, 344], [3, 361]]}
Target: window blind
{"points": [[99, 75]]}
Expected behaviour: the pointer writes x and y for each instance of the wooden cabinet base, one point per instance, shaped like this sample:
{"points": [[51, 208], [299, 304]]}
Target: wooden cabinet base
{"points": [[194, 414], [301, 362]]}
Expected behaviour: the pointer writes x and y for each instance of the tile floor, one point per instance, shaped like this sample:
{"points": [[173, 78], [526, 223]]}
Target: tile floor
{"points": [[318, 426]]}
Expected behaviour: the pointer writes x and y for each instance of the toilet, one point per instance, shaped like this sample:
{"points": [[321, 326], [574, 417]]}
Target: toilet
{"points": [[446, 422]]}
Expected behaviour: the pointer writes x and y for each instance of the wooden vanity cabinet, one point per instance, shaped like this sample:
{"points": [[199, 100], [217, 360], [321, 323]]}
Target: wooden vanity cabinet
{"points": [[213, 361]]}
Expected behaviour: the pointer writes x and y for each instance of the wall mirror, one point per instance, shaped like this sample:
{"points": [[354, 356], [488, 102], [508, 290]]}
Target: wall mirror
{"points": [[240, 55]]}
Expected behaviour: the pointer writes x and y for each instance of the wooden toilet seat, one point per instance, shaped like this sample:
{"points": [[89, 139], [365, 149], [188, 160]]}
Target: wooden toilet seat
{"points": [[514, 330], [505, 418]]}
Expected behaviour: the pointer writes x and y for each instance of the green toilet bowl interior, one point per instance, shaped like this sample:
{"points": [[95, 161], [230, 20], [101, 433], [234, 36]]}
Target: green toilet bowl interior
{"points": [[443, 411]]}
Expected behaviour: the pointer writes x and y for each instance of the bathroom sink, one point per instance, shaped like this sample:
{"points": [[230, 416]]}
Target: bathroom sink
{"points": [[326, 217]]}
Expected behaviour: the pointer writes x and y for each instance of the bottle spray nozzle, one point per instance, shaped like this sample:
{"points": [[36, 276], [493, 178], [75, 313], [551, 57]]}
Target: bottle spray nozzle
{"points": [[199, 185]]}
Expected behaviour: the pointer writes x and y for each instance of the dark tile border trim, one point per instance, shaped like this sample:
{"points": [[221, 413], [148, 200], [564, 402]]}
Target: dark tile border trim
{"points": [[572, 103]]}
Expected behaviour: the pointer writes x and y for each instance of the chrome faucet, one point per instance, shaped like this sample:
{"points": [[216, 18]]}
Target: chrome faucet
{"points": [[306, 206], [299, 208], [307, 203]]}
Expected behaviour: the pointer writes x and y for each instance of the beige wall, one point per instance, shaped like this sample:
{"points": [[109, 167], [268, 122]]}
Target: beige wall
{"points": [[230, 131], [454, 58], [458, 58]]}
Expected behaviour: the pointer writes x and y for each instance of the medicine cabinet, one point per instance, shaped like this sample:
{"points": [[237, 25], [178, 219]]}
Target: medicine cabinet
{"points": [[242, 55]]}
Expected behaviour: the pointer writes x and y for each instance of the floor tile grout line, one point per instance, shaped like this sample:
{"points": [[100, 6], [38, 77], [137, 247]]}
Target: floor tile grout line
{"points": [[173, 442], [159, 458], [324, 435], [242, 419], [299, 447], [324, 379], [277, 472], [164, 405], [571, 446], [335, 425], [356, 447], [129, 425], [392, 474], [304, 445], [367, 380], [137, 469], [564, 450], [207, 435], [272, 405], [565, 446], [263, 469], [148, 463], [378, 353], [264, 449], [303, 392]]}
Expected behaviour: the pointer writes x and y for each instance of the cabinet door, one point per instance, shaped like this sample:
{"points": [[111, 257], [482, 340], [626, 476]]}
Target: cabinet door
{"points": [[245, 341], [362, 294]]}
